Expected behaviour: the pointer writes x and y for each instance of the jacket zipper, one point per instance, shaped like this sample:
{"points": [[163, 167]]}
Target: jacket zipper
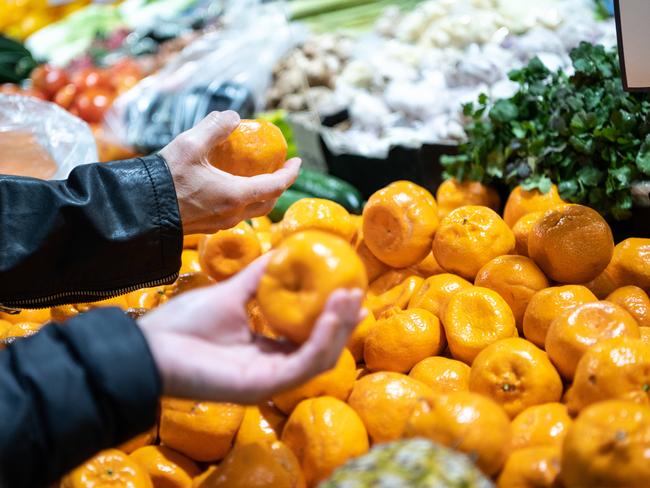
{"points": [[14, 307]]}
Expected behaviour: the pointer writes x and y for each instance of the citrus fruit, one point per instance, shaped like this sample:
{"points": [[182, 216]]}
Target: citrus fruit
{"points": [[468, 422], [203, 431], [358, 337], [324, 433], [635, 301], [257, 466], [189, 261], [473, 319], [545, 305], [380, 300], [384, 402], [146, 298], [516, 374], [108, 468], [436, 291], [301, 274], [427, 267], [337, 383], [608, 445], [534, 467], [616, 368], [253, 148], [399, 222], [571, 334], [261, 424], [630, 263], [39, 316], [645, 334], [452, 194], [374, 267], [468, 238], [540, 425], [21, 329], [227, 252], [145, 439], [400, 340], [516, 279], [166, 467], [318, 214], [522, 230], [442, 375], [558, 244], [521, 202]]}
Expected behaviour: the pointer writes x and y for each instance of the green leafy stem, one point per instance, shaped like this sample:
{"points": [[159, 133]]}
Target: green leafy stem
{"points": [[582, 132]]}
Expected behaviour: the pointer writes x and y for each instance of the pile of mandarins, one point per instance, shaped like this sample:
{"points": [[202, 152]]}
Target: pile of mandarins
{"points": [[523, 341]]}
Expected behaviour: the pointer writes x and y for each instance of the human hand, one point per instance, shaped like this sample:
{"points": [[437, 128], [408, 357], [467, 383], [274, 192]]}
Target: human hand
{"points": [[204, 348], [210, 199]]}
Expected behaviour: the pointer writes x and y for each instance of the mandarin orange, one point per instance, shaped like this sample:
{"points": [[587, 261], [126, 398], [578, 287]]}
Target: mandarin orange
{"points": [[557, 244], [253, 148], [399, 222], [469, 237]]}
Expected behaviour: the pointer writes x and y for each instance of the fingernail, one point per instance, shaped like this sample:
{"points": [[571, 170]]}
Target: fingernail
{"points": [[231, 116]]}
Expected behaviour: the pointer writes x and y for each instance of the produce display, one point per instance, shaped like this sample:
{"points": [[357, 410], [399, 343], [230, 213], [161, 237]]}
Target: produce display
{"points": [[77, 34], [506, 340], [404, 84], [22, 18], [582, 132], [528, 362]]}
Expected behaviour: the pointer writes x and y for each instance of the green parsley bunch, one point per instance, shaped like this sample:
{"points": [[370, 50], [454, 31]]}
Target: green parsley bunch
{"points": [[582, 132]]}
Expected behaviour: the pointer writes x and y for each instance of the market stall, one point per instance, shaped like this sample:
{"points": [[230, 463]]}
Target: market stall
{"points": [[475, 167]]}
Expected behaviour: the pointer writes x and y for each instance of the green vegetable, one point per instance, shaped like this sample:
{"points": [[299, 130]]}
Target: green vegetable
{"points": [[284, 202], [300, 9], [412, 463], [62, 41], [583, 133], [324, 186], [353, 15], [16, 62]]}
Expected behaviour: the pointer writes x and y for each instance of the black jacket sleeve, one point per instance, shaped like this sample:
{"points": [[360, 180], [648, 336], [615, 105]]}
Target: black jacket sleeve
{"points": [[71, 390], [108, 228]]}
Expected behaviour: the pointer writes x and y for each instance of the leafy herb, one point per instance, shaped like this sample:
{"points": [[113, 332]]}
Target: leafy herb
{"points": [[581, 132]]}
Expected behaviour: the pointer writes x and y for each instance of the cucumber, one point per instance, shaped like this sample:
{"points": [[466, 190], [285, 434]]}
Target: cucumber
{"points": [[284, 202], [325, 186]]}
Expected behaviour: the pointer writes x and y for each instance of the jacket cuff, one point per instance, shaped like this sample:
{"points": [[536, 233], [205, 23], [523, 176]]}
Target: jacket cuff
{"points": [[120, 369], [167, 213]]}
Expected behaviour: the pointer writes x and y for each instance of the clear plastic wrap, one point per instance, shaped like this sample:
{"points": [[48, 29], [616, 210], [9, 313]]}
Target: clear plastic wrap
{"points": [[66, 138], [229, 68]]}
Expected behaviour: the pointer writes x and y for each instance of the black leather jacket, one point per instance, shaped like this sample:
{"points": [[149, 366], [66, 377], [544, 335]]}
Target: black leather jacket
{"points": [[91, 383]]}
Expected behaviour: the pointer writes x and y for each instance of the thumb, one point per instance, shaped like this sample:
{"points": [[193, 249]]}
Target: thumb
{"points": [[212, 130]]}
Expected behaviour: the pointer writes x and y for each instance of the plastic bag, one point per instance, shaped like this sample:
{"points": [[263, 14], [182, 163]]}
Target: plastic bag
{"points": [[66, 138], [227, 69]]}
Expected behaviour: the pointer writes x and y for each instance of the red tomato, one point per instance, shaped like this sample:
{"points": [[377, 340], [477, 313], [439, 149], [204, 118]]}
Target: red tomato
{"points": [[126, 66], [33, 92], [93, 103], [91, 78], [38, 76], [65, 96], [49, 79], [9, 89], [124, 83]]}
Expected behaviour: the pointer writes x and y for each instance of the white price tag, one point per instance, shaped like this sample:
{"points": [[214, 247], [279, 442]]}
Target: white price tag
{"points": [[632, 19]]}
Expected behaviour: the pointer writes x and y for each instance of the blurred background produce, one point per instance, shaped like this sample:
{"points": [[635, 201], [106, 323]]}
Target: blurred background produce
{"points": [[508, 109]]}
